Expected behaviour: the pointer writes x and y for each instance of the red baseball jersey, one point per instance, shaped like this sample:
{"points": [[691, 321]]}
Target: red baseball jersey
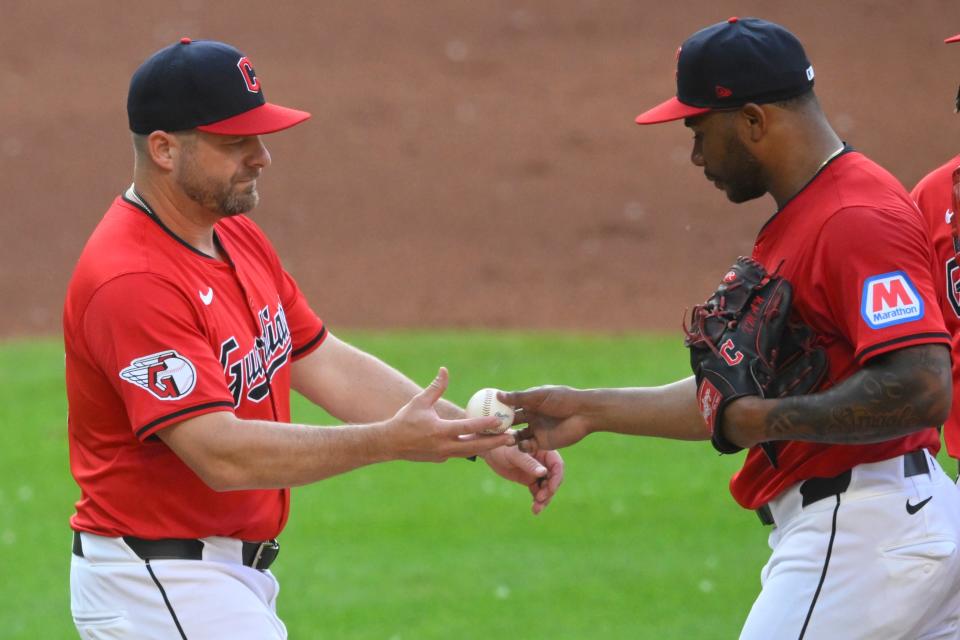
{"points": [[157, 332], [933, 195], [855, 249]]}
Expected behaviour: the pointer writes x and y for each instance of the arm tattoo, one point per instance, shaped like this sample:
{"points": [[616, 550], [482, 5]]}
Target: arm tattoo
{"points": [[894, 394]]}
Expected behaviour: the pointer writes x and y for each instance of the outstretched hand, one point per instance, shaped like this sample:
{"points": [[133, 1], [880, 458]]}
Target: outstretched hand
{"points": [[553, 415], [541, 472], [418, 433]]}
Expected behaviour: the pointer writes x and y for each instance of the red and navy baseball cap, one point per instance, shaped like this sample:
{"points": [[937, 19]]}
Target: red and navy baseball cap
{"points": [[731, 63], [205, 85]]}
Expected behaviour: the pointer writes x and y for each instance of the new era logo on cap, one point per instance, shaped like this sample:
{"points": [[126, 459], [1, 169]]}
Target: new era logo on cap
{"points": [[205, 85], [732, 63]]}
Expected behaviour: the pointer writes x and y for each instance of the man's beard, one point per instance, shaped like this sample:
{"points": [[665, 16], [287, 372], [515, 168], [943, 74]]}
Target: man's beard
{"points": [[216, 196], [745, 180]]}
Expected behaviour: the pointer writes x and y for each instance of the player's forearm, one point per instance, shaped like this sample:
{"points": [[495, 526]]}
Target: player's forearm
{"points": [[231, 454], [350, 384], [894, 395], [355, 386], [669, 411]]}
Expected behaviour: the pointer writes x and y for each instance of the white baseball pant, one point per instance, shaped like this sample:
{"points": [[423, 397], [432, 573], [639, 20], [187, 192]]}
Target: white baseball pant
{"points": [[880, 561], [116, 595]]}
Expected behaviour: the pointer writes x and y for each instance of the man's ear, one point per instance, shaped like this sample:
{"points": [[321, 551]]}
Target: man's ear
{"points": [[753, 122], [163, 149]]}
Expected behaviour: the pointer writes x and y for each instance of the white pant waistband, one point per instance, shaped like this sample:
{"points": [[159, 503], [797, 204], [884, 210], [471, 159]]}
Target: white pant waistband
{"points": [[101, 549], [868, 479]]}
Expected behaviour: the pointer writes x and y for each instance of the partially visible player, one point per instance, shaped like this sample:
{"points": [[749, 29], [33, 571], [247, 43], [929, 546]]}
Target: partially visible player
{"points": [[184, 336], [934, 195], [866, 524]]}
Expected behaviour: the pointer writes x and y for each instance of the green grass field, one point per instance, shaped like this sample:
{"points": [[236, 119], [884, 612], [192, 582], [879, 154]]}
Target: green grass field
{"points": [[643, 540]]}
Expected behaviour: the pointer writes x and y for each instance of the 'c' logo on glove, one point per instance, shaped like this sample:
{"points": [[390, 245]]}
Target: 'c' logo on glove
{"points": [[732, 360]]}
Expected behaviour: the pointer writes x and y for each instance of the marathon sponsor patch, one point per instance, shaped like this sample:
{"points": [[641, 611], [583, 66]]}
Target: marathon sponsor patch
{"points": [[167, 375], [890, 299]]}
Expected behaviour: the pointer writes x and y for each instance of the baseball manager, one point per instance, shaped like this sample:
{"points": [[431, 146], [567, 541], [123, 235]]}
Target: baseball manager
{"points": [[184, 336]]}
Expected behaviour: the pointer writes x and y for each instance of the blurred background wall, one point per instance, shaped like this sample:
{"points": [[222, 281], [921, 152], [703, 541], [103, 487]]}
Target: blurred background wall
{"points": [[468, 164]]}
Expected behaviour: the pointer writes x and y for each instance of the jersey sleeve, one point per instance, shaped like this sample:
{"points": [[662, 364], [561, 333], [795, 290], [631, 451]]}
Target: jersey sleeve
{"points": [[875, 275], [145, 337]]}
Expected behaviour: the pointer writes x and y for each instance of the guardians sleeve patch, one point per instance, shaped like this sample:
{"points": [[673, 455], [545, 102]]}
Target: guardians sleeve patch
{"points": [[167, 375]]}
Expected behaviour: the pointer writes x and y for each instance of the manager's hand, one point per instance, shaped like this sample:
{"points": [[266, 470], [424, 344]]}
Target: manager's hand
{"points": [[418, 433], [541, 472]]}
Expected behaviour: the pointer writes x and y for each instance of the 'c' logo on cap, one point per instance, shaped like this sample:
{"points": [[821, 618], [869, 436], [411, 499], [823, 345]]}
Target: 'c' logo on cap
{"points": [[249, 75]]}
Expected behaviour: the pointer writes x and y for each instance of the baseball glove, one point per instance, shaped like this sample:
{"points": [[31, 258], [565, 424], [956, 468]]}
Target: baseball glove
{"points": [[742, 343]]}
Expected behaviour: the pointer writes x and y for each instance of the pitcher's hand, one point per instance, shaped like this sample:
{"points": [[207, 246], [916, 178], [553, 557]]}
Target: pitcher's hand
{"points": [[553, 415]]}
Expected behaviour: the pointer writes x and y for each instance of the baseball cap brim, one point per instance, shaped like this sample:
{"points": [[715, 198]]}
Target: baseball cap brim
{"points": [[267, 118], [670, 110], [955, 38]]}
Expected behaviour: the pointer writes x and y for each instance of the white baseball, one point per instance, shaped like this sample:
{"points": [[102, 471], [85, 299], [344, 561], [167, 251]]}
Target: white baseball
{"points": [[484, 403]]}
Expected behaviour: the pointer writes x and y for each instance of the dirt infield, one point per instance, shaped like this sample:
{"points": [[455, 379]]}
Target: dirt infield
{"points": [[469, 164]]}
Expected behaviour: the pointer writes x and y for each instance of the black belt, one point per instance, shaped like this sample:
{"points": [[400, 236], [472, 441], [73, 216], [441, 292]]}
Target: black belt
{"points": [[256, 555], [816, 489]]}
